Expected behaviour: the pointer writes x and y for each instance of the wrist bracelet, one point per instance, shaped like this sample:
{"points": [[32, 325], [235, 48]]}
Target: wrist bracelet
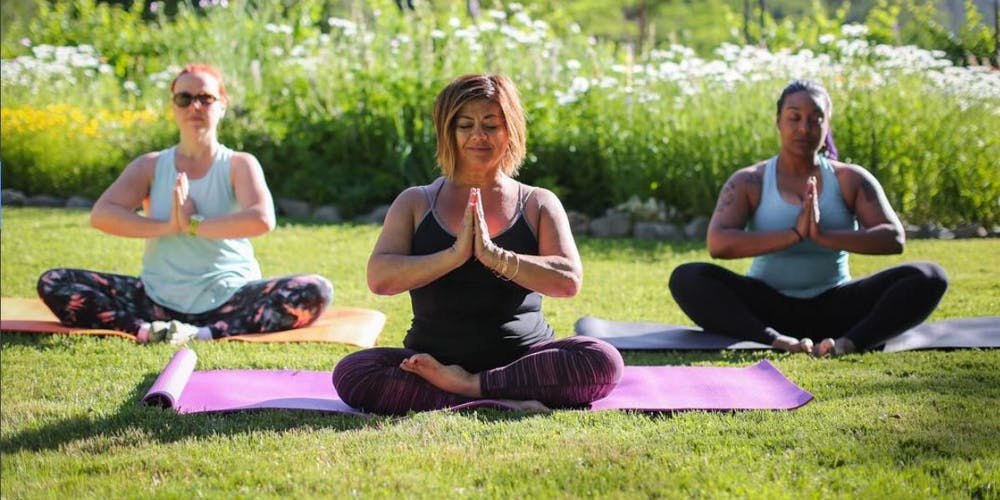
{"points": [[797, 233], [194, 223]]}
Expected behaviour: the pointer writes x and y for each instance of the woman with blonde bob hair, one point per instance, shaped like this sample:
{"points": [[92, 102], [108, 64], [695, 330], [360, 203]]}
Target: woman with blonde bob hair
{"points": [[476, 250]]}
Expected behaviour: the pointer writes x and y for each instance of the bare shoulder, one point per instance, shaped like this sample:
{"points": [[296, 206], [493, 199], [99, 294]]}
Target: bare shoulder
{"points": [[146, 161], [412, 195], [542, 198], [748, 178], [413, 200], [752, 175], [852, 176], [244, 161], [543, 202], [849, 170], [857, 184], [143, 167]]}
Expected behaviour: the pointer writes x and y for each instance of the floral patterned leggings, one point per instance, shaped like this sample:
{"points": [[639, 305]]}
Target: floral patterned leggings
{"points": [[91, 299]]}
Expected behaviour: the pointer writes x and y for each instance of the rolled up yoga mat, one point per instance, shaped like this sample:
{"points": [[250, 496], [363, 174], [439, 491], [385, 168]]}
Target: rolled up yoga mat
{"points": [[347, 325], [645, 388], [980, 332]]}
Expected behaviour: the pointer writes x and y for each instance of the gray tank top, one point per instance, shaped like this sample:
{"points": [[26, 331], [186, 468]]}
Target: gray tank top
{"points": [[805, 269]]}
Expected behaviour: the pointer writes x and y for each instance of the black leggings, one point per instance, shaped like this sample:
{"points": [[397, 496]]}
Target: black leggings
{"points": [[868, 311]]}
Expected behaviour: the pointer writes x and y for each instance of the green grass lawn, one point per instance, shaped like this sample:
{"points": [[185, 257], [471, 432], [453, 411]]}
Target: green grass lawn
{"points": [[904, 425]]}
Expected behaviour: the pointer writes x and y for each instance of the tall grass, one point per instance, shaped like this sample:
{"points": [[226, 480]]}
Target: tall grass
{"points": [[338, 108]]}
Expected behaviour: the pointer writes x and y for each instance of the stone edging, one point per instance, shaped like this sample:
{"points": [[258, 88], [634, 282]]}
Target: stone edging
{"points": [[614, 224]]}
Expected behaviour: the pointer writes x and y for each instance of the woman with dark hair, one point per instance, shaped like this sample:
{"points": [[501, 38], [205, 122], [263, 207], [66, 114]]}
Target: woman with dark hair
{"points": [[476, 250], [798, 214], [201, 202]]}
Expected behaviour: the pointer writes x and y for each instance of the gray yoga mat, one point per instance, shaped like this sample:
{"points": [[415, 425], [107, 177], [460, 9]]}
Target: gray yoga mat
{"points": [[981, 332]]}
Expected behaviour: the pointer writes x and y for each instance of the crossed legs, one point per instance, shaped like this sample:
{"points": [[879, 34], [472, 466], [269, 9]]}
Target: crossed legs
{"points": [[858, 315], [568, 372]]}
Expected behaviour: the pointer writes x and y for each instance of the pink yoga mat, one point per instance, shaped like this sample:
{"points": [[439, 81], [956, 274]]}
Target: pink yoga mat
{"points": [[645, 388]]}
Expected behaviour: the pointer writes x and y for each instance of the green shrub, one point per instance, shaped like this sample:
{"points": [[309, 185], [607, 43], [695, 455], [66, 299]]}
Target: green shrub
{"points": [[339, 109]]}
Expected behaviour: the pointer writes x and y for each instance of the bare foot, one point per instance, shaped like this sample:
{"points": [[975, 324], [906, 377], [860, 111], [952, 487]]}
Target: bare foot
{"points": [[830, 347], [846, 346], [451, 378], [826, 347], [793, 345]]}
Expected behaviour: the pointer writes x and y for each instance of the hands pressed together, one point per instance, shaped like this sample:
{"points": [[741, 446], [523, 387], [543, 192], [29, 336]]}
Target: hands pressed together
{"points": [[474, 240], [807, 225], [183, 206]]}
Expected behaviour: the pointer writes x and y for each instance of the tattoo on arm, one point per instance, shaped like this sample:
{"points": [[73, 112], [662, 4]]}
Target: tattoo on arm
{"points": [[871, 193], [726, 197]]}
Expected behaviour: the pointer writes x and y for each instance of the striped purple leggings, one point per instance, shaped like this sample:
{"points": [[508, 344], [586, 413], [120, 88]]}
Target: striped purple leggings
{"points": [[90, 299], [564, 373]]}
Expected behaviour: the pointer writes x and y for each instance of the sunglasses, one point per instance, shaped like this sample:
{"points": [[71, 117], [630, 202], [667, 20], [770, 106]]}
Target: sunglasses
{"points": [[184, 99]]}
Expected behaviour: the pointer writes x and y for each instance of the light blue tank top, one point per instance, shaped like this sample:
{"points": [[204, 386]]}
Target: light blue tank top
{"points": [[804, 269], [192, 274]]}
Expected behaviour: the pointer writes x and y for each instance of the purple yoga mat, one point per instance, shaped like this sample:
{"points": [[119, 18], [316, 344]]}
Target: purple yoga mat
{"points": [[644, 388], [188, 391]]}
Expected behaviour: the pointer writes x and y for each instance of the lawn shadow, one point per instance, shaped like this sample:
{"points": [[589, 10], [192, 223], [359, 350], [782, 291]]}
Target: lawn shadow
{"points": [[47, 341], [689, 357], [139, 422]]}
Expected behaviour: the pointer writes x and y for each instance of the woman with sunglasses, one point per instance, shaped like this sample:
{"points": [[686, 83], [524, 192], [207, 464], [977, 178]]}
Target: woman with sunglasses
{"points": [[201, 202]]}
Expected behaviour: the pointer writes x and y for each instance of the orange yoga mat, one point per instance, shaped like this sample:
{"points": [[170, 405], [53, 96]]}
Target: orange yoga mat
{"points": [[347, 325]]}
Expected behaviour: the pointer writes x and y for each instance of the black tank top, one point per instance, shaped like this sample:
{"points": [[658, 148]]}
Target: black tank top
{"points": [[469, 316]]}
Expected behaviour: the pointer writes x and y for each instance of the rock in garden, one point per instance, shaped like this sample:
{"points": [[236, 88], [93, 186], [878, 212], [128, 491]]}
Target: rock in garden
{"points": [[45, 200], [697, 228], [293, 208], [79, 203], [376, 216], [579, 223], [612, 225], [327, 213], [13, 198], [971, 231], [657, 231]]}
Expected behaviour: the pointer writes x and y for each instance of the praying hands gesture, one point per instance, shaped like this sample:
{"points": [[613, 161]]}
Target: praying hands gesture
{"points": [[807, 225], [474, 241], [183, 206]]}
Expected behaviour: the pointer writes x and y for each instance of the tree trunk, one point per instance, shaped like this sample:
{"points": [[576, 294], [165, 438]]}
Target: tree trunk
{"points": [[747, 14], [996, 33]]}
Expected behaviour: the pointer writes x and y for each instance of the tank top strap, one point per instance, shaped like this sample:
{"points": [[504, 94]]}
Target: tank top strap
{"points": [[522, 197], [431, 195], [770, 176], [827, 171]]}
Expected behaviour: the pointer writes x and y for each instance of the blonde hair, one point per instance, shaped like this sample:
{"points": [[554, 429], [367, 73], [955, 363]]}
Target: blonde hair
{"points": [[493, 88]]}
